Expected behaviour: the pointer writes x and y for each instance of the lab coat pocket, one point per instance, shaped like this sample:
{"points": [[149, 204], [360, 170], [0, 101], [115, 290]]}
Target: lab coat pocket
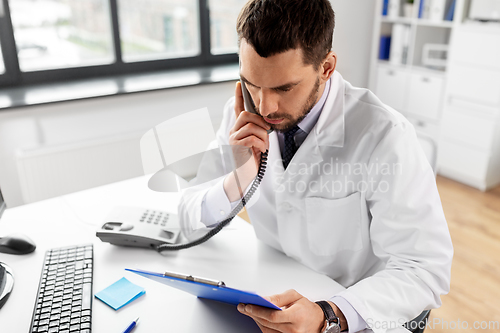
{"points": [[334, 225]]}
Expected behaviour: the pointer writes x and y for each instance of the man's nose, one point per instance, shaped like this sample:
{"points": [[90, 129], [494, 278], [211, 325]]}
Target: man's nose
{"points": [[268, 102]]}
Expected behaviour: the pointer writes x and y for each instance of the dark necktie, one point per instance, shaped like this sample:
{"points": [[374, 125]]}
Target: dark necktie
{"points": [[290, 147]]}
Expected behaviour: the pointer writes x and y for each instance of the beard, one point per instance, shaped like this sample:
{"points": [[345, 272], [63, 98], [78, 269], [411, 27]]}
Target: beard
{"points": [[290, 120]]}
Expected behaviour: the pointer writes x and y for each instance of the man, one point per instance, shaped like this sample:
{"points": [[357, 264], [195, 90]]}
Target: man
{"points": [[347, 190]]}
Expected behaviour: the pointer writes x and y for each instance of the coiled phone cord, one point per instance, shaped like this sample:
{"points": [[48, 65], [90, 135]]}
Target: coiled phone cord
{"points": [[256, 182]]}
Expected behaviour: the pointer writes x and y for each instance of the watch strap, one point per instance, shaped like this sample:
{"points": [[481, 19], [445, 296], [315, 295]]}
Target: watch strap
{"points": [[328, 311]]}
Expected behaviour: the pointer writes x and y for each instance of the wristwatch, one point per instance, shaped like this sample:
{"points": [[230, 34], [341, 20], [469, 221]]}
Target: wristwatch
{"points": [[332, 321]]}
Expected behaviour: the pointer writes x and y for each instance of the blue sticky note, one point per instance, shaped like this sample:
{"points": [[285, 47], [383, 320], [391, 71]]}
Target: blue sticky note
{"points": [[120, 293]]}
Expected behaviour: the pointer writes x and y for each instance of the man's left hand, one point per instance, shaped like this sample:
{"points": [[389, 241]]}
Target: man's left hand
{"points": [[298, 314]]}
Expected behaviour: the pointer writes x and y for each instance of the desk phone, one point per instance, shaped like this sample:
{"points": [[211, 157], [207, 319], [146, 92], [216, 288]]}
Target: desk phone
{"points": [[134, 226]]}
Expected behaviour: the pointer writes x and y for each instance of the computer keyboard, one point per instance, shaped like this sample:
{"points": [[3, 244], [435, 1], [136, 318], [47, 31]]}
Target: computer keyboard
{"points": [[64, 300]]}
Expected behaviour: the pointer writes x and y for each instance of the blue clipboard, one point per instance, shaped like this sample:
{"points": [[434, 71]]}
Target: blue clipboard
{"points": [[205, 288]]}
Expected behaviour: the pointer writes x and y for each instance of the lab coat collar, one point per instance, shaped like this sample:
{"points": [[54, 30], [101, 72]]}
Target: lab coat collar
{"points": [[329, 130]]}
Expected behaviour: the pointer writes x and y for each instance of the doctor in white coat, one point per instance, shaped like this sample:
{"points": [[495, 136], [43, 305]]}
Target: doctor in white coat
{"points": [[347, 192]]}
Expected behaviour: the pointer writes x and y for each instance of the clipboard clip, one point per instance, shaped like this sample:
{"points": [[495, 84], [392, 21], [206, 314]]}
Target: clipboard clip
{"points": [[195, 279]]}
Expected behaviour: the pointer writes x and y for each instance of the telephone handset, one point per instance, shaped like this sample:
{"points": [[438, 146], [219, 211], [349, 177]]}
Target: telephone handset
{"points": [[147, 233], [248, 101]]}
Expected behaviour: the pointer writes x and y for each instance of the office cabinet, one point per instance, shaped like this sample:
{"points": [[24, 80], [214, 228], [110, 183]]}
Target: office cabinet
{"points": [[475, 83], [429, 128], [470, 125], [425, 96], [471, 50], [469, 145], [391, 86], [464, 164]]}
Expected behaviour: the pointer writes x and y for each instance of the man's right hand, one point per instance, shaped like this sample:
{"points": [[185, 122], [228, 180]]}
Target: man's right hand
{"points": [[250, 131]]}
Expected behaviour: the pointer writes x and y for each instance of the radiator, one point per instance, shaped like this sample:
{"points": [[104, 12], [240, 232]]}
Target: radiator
{"points": [[47, 172]]}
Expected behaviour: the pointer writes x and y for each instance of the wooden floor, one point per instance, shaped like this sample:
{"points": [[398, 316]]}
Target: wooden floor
{"points": [[474, 222]]}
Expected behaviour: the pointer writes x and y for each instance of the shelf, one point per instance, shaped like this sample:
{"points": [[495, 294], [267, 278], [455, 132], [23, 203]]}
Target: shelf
{"points": [[404, 20], [413, 69], [415, 21], [387, 63], [427, 70], [437, 24], [488, 27]]}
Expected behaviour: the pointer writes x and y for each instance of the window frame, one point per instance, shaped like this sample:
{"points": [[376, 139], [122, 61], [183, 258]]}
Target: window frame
{"points": [[13, 75]]}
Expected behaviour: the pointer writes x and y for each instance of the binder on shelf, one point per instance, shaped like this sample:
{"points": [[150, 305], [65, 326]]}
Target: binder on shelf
{"points": [[385, 7], [451, 11], [406, 44], [206, 288], [385, 47], [425, 7], [394, 9], [400, 41], [437, 10], [421, 9]]}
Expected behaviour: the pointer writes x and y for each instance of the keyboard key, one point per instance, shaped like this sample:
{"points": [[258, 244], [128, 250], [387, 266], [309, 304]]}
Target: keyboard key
{"points": [[74, 328], [87, 296], [43, 322], [45, 315], [43, 328]]}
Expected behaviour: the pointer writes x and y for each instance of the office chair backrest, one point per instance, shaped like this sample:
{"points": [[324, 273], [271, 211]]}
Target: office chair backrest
{"points": [[417, 325]]}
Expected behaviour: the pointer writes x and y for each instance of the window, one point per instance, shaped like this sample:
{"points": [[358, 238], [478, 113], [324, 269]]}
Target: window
{"points": [[158, 29], [59, 40], [223, 15], [61, 33]]}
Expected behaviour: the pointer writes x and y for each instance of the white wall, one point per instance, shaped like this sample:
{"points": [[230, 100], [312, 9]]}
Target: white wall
{"points": [[353, 38], [65, 123]]}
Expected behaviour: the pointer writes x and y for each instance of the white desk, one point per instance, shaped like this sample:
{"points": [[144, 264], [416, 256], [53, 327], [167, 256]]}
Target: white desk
{"points": [[234, 256]]}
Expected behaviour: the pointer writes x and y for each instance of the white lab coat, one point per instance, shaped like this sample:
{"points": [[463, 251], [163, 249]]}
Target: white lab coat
{"points": [[377, 227]]}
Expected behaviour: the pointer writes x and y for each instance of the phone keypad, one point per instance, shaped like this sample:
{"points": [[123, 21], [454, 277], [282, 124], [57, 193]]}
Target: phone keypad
{"points": [[155, 217]]}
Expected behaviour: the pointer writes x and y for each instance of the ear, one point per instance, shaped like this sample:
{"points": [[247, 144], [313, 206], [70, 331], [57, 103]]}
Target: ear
{"points": [[327, 67]]}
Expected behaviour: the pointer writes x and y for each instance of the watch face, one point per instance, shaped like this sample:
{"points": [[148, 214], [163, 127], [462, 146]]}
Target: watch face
{"points": [[332, 328]]}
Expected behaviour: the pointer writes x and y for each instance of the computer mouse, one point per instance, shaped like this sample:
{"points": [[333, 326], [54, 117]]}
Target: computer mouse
{"points": [[16, 244]]}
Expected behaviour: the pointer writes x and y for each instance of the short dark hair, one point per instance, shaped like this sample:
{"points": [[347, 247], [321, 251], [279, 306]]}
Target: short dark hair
{"points": [[276, 26]]}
